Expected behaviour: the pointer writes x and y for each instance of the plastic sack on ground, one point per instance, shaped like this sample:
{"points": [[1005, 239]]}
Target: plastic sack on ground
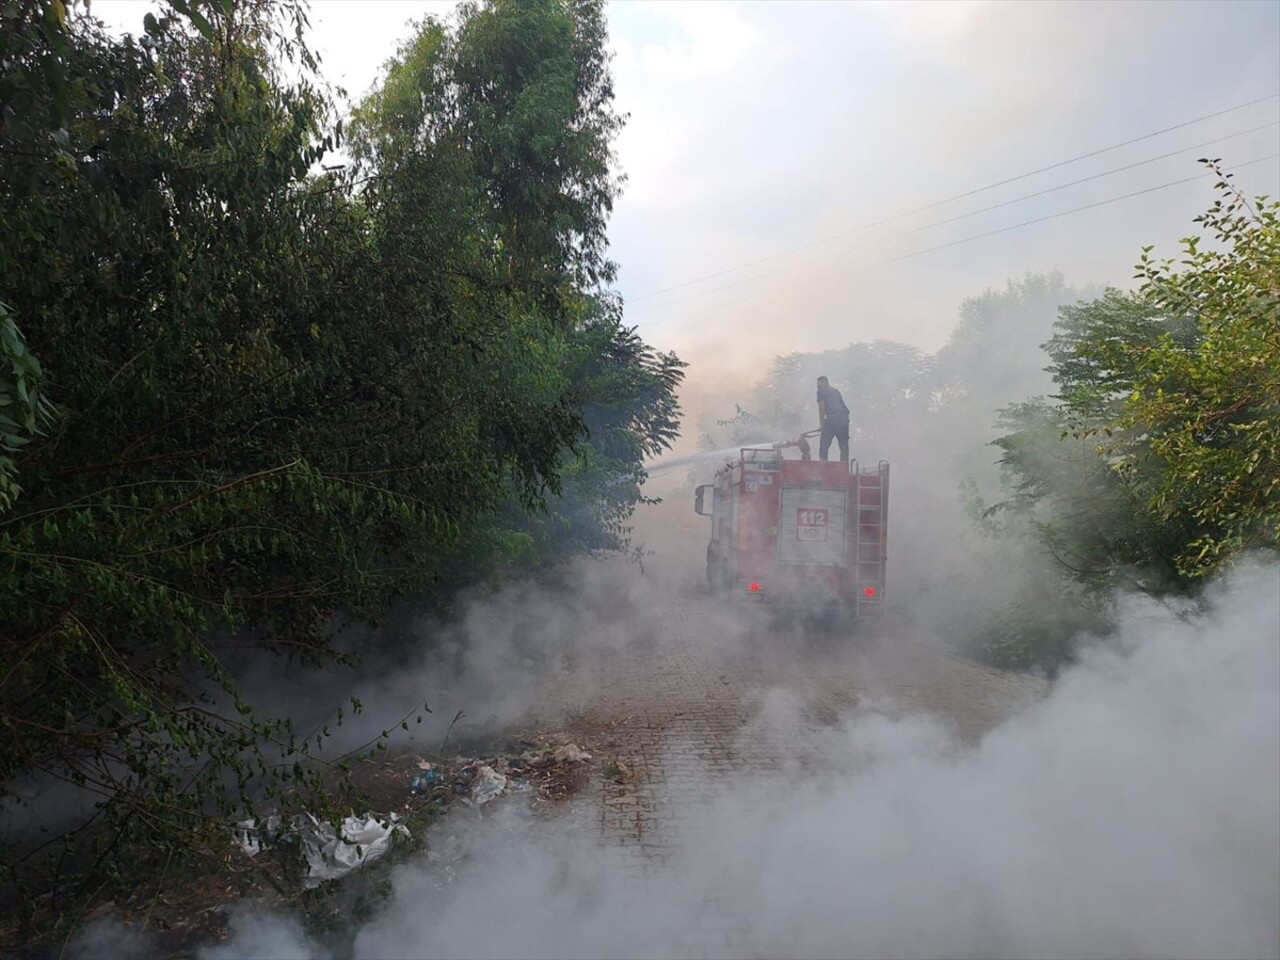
{"points": [[363, 839], [329, 855]]}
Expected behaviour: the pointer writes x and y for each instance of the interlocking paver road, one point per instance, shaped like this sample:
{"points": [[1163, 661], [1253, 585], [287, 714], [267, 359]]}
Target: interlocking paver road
{"points": [[690, 692]]}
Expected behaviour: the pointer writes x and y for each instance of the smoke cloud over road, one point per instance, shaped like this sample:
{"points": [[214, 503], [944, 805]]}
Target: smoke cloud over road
{"points": [[1131, 812]]}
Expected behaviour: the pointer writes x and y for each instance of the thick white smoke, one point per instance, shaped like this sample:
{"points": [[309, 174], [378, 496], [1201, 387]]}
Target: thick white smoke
{"points": [[1133, 812]]}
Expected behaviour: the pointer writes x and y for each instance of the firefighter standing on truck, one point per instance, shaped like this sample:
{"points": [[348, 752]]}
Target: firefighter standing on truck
{"points": [[833, 418]]}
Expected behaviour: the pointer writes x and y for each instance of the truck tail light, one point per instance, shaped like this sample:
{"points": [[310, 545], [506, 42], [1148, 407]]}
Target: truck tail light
{"points": [[868, 591]]}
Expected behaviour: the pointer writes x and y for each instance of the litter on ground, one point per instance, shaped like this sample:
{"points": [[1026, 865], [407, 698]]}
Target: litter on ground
{"points": [[330, 854], [362, 840], [571, 753], [486, 785]]}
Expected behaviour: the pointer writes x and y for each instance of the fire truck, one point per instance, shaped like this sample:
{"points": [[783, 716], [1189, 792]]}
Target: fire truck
{"points": [[791, 531]]}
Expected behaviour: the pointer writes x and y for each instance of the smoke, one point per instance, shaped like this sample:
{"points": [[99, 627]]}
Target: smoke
{"points": [[479, 671], [1132, 812], [933, 417], [265, 936], [766, 239]]}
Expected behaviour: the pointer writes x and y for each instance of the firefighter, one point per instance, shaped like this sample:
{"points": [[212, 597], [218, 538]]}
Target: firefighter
{"points": [[833, 418]]}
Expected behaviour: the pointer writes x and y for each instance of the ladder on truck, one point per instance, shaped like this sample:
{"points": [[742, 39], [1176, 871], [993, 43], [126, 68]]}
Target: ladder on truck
{"points": [[871, 505]]}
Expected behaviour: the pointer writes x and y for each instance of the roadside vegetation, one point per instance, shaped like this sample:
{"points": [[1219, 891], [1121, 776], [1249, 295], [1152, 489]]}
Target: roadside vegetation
{"points": [[269, 369]]}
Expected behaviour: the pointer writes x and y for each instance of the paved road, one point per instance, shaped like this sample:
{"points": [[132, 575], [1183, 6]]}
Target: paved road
{"points": [[686, 693], [688, 708]]}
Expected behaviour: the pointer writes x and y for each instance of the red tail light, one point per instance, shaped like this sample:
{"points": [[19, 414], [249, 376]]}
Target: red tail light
{"points": [[868, 591], [753, 586]]}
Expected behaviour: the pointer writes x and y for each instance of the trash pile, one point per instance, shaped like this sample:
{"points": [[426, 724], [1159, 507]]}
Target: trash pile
{"points": [[476, 781], [545, 772], [330, 854]]}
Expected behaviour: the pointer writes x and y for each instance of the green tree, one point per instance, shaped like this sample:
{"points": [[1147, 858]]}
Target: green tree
{"points": [[25, 411], [1158, 460], [1207, 406], [1090, 514], [995, 350], [512, 111], [533, 99], [167, 262], [283, 399], [626, 391]]}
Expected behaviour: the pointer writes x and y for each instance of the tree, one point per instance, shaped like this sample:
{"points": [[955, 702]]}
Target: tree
{"points": [[501, 130], [167, 261], [994, 352], [626, 391], [1207, 406], [1091, 516], [533, 100], [1158, 460], [284, 399], [25, 412]]}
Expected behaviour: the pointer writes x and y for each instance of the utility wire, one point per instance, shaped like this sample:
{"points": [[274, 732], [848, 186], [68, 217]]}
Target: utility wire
{"points": [[1027, 223], [1083, 156], [996, 206], [952, 199], [1064, 213], [1096, 176]]}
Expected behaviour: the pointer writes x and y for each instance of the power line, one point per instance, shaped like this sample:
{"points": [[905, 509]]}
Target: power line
{"points": [[1096, 176], [952, 199], [1084, 156], [997, 206], [1027, 223], [1064, 213]]}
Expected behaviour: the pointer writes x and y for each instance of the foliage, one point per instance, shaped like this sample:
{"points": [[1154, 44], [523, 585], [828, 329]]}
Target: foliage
{"points": [[24, 409], [1090, 516], [1030, 634], [626, 392], [285, 397], [1208, 405], [1160, 460], [995, 351], [512, 110], [164, 267]]}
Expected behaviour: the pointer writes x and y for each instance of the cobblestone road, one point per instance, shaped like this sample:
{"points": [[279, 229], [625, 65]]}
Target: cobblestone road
{"points": [[697, 699], [700, 694]]}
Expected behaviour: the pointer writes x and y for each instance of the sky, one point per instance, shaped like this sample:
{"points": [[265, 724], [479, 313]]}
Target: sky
{"points": [[764, 137]]}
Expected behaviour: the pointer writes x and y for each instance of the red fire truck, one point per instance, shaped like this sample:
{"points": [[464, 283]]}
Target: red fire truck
{"points": [[789, 530]]}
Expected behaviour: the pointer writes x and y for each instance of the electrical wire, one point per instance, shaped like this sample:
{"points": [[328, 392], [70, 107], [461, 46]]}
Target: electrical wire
{"points": [[1096, 176], [1015, 226], [906, 233], [960, 196], [1064, 213]]}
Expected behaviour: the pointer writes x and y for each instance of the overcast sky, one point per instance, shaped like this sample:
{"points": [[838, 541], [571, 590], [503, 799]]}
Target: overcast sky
{"points": [[780, 130]]}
